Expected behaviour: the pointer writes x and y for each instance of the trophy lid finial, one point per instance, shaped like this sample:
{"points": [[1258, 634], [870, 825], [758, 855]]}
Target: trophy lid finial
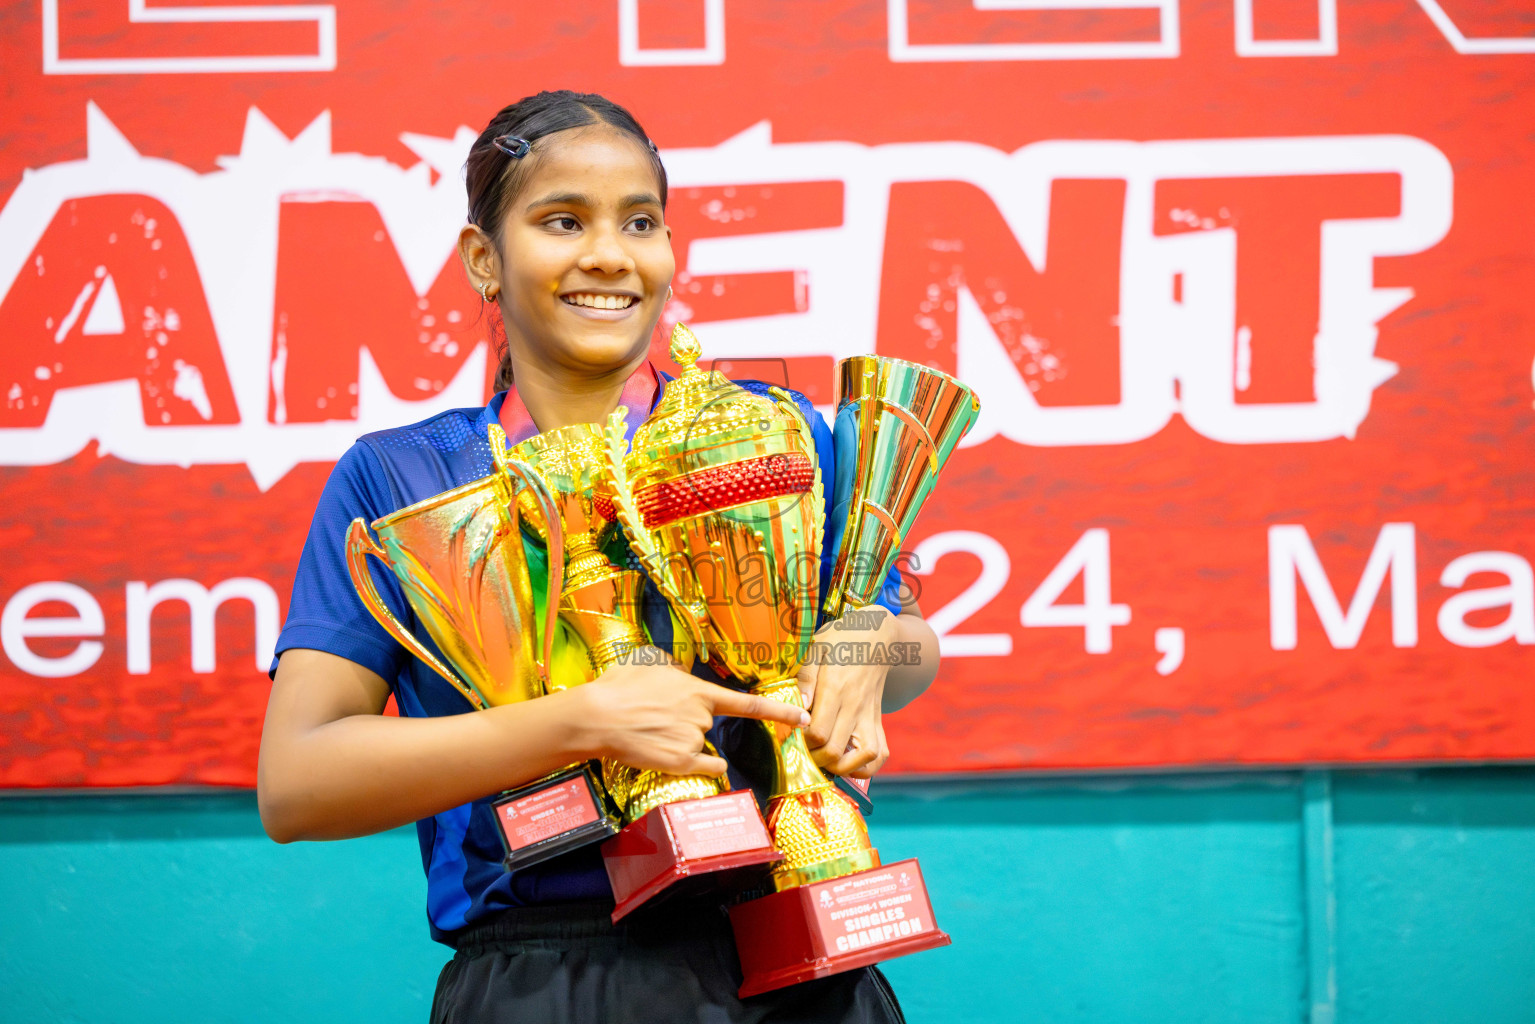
{"points": [[685, 349]]}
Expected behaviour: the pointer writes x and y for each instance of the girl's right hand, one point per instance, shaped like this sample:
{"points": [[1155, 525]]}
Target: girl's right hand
{"points": [[655, 717]]}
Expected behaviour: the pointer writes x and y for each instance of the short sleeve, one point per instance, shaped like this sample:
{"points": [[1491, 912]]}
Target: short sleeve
{"points": [[325, 613], [890, 594]]}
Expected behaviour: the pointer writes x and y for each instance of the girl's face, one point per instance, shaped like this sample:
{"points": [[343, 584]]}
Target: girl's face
{"points": [[585, 255]]}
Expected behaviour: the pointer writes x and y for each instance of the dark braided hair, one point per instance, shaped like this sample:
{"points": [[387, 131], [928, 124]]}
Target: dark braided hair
{"points": [[505, 153]]}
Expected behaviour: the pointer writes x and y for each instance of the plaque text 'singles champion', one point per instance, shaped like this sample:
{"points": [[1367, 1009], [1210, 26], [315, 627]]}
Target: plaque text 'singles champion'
{"points": [[722, 499]]}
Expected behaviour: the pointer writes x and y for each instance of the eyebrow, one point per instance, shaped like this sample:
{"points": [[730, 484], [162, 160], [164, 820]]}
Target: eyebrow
{"points": [[580, 199], [560, 199]]}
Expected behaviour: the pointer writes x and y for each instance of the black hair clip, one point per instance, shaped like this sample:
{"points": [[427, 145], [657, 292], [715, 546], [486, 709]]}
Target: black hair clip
{"points": [[514, 146], [653, 148]]}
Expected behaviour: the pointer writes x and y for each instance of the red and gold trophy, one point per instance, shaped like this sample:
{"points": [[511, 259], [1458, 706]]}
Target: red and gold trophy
{"points": [[724, 506], [680, 831], [460, 560]]}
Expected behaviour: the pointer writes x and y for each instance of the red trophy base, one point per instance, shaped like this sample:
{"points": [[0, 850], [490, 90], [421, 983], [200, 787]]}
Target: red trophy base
{"points": [[833, 926], [687, 846], [546, 818]]}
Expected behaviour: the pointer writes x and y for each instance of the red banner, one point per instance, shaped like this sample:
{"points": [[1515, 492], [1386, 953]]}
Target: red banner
{"points": [[1243, 285]]}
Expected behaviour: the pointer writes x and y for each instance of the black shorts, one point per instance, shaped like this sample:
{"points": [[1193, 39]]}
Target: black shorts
{"points": [[673, 965]]}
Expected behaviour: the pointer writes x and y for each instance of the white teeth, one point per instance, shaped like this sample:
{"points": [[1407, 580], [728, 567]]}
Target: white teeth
{"points": [[600, 301]]}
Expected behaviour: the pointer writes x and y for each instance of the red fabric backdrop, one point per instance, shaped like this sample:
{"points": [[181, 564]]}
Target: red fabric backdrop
{"points": [[1244, 287]]}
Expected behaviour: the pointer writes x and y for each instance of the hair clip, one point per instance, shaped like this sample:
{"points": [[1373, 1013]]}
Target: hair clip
{"points": [[514, 146], [653, 148]]}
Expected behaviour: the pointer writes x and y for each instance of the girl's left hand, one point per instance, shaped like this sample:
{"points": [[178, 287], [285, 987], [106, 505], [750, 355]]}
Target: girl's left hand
{"points": [[843, 688]]}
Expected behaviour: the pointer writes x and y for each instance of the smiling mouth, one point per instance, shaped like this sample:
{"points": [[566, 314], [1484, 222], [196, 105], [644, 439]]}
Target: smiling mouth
{"points": [[593, 301]]}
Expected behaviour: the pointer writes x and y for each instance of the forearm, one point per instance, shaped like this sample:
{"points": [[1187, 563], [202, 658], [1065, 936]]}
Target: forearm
{"points": [[366, 773], [907, 680]]}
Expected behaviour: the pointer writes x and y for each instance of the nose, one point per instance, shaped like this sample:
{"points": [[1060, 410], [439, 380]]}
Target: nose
{"points": [[606, 253]]}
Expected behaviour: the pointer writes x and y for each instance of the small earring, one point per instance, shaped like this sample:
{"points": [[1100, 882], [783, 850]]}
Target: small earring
{"points": [[485, 291], [668, 293]]}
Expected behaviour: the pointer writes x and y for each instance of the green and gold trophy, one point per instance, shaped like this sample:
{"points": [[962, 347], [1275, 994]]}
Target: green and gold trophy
{"points": [[459, 559], [681, 832], [897, 424], [722, 501]]}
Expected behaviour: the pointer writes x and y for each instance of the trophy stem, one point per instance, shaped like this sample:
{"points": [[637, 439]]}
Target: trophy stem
{"points": [[796, 771], [603, 611], [651, 789], [585, 562], [612, 650], [818, 829]]}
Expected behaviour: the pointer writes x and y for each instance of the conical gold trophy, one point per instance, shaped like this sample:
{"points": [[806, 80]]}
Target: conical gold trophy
{"points": [[722, 500], [459, 559], [897, 424], [456, 557], [676, 826]]}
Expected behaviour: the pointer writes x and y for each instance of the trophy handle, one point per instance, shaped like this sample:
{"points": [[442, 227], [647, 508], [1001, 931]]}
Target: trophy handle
{"points": [[639, 537], [868, 419], [787, 405], [359, 545], [904, 414], [866, 505], [508, 470], [869, 410]]}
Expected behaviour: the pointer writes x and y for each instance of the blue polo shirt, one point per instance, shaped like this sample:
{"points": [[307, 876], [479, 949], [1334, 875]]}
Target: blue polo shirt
{"points": [[461, 848]]}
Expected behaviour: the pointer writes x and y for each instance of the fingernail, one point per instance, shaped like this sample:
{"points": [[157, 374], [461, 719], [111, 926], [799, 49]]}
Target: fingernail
{"points": [[804, 719]]}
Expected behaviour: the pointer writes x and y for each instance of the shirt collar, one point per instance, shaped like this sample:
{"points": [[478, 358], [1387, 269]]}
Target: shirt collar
{"points": [[640, 394]]}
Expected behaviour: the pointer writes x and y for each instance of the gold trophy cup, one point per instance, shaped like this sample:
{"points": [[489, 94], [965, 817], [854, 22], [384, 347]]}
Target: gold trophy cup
{"points": [[722, 500], [601, 602], [459, 559], [682, 832]]}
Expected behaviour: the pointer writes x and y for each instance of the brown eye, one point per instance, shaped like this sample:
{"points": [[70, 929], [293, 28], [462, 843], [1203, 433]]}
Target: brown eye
{"points": [[642, 224], [565, 223]]}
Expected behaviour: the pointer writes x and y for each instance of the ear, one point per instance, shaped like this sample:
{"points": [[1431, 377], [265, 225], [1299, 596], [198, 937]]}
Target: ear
{"points": [[482, 263]]}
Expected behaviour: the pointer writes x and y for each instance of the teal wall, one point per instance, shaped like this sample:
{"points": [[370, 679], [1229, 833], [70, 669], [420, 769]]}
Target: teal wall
{"points": [[1360, 898]]}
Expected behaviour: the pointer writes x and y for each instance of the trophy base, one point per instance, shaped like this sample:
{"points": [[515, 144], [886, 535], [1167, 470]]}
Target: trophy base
{"points": [[833, 926], [856, 790], [687, 847], [554, 815]]}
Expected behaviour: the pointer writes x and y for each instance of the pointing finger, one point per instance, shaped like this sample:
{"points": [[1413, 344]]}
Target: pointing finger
{"points": [[749, 705]]}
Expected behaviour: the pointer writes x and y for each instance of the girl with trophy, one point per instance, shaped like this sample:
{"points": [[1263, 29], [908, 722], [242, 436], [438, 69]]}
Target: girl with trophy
{"points": [[568, 246]]}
